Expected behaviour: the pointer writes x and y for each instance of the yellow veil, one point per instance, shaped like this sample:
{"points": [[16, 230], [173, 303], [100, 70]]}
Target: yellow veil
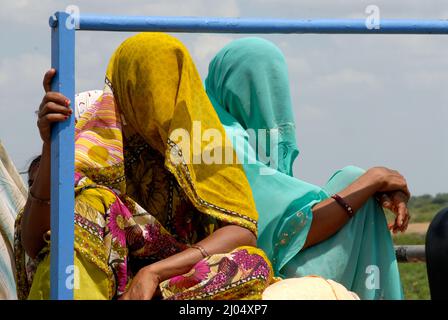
{"points": [[153, 89]]}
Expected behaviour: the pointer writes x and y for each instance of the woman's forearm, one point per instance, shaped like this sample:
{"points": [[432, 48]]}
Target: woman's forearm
{"points": [[36, 215], [329, 216], [222, 240]]}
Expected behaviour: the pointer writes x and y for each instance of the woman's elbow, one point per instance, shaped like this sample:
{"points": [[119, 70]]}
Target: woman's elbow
{"points": [[32, 244], [248, 238], [31, 248]]}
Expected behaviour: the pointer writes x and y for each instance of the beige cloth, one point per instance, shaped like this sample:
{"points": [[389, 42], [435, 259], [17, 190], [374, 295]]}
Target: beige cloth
{"points": [[13, 194], [308, 288]]}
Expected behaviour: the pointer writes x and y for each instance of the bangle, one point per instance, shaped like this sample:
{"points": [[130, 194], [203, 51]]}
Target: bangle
{"points": [[41, 201], [47, 237], [344, 204], [201, 249]]}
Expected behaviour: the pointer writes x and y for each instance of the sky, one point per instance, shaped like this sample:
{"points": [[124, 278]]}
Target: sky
{"points": [[365, 100]]}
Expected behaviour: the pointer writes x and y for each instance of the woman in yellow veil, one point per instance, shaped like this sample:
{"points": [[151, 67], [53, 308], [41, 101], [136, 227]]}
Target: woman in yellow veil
{"points": [[150, 220]]}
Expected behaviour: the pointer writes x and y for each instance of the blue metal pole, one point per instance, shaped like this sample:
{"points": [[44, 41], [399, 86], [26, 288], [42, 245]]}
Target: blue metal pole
{"points": [[245, 25], [62, 163]]}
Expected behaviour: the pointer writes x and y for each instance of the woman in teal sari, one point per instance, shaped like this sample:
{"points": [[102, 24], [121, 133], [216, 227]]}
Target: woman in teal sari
{"points": [[338, 231]]}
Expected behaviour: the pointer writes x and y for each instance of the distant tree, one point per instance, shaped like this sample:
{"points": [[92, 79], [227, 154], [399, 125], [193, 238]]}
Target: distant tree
{"points": [[441, 199]]}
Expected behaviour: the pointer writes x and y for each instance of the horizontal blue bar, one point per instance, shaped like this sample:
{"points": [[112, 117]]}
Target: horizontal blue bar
{"points": [[256, 25]]}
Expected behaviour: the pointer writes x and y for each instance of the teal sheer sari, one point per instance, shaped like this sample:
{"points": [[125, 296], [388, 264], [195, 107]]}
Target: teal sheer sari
{"points": [[249, 88]]}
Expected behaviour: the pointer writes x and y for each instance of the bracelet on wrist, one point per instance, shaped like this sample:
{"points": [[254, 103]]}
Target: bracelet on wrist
{"points": [[38, 200], [348, 209], [201, 249], [47, 237]]}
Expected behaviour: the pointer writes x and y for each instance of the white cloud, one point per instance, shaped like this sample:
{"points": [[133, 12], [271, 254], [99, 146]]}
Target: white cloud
{"points": [[22, 72], [204, 47], [27, 12], [435, 9], [310, 113], [228, 8], [347, 77], [20, 95]]}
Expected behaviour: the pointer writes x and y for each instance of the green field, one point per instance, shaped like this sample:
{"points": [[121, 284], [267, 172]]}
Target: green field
{"points": [[413, 275], [424, 208]]}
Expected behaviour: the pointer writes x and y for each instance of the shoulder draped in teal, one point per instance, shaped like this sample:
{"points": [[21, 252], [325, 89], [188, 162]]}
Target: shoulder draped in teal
{"points": [[249, 88]]}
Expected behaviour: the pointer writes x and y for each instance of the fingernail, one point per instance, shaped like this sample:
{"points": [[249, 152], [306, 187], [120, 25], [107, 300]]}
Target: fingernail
{"points": [[65, 117], [67, 102]]}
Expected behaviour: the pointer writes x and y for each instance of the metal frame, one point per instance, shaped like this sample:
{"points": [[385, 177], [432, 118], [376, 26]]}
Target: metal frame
{"points": [[410, 253], [63, 60], [62, 163]]}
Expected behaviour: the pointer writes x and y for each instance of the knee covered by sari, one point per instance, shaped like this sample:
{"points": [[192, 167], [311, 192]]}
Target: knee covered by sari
{"points": [[249, 88], [139, 197]]}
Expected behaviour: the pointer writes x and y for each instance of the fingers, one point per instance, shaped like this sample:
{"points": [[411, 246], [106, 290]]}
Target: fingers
{"points": [[406, 223], [407, 192], [403, 186], [401, 196], [385, 201], [52, 107], [50, 118], [400, 209], [394, 227], [55, 97], [48, 77], [402, 213], [390, 226], [53, 102], [394, 181], [400, 200]]}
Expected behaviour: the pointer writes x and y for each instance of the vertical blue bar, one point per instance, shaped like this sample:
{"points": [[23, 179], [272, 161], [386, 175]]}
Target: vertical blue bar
{"points": [[62, 162]]}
